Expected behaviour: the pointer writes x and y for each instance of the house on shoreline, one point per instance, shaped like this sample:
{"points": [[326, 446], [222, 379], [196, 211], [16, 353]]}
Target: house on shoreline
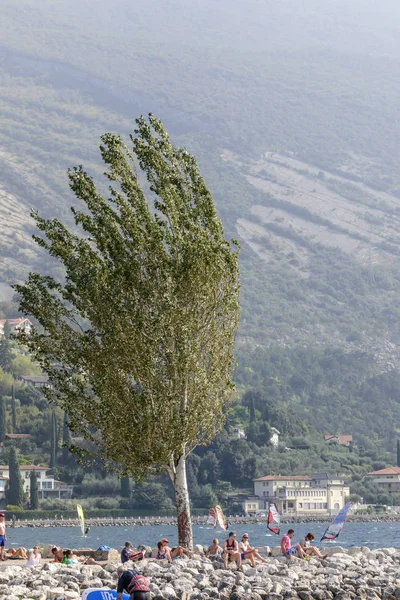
{"points": [[315, 494]]}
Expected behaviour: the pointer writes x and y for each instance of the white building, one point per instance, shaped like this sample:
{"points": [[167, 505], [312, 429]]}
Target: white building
{"points": [[274, 439], [47, 486], [319, 493], [388, 479], [16, 325]]}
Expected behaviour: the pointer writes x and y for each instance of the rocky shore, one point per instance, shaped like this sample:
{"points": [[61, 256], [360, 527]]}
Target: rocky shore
{"points": [[197, 520], [352, 574]]}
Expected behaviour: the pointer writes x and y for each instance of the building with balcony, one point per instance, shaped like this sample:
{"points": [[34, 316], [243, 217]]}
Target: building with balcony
{"points": [[388, 480], [319, 493], [47, 486]]}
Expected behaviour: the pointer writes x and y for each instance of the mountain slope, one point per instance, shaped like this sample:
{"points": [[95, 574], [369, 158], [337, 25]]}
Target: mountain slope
{"points": [[292, 111]]}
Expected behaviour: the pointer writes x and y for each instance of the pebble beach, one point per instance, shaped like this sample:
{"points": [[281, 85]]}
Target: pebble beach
{"points": [[356, 573]]}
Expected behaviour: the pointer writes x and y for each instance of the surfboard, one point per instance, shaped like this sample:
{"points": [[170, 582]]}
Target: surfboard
{"points": [[102, 594]]}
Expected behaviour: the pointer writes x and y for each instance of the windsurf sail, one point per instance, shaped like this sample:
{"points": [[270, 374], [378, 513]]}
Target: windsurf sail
{"points": [[335, 528], [274, 519], [212, 517], [81, 518], [221, 521]]}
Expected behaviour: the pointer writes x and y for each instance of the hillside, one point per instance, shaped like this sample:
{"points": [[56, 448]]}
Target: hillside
{"points": [[292, 111]]}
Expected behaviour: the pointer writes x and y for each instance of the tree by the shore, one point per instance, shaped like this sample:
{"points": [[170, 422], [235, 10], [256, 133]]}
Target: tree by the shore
{"points": [[138, 339], [13, 410], [3, 423], [53, 441], [34, 494], [15, 492]]}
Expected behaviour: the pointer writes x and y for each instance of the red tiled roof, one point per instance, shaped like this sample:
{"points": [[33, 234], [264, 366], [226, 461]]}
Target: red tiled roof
{"points": [[387, 471], [342, 439], [284, 478], [14, 322]]}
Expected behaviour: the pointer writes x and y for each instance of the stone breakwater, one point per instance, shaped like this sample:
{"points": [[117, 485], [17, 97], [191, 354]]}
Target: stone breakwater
{"points": [[353, 574], [198, 520]]}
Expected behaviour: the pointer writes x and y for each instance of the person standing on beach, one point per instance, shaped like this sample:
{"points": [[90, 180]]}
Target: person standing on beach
{"points": [[3, 537]]}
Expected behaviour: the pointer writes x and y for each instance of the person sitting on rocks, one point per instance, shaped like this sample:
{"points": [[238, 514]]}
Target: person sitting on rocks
{"points": [[215, 550], [34, 557], [128, 554], [177, 551], [58, 554], [231, 551], [287, 549], [247, 552], [163, 552], [69, 558], [16, 553], [308, 549]]}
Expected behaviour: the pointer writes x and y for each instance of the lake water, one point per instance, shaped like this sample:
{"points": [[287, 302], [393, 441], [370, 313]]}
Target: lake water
{"points": [[373, 535]]}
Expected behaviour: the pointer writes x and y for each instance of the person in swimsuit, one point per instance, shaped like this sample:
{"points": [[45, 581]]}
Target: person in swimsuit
{"points": [[308, 549], [247, 552], [16, 553], [231, 551], [58, 554], [287, 549], [3, 537], [177, 551], [214, 551], [163, 552]]}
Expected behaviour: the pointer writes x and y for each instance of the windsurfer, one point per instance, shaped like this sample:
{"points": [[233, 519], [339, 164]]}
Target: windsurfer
{"points": [[308, 549], [287, 549]]}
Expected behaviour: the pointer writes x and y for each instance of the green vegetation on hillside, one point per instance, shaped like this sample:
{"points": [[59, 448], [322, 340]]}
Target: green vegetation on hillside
{"points": [[319, 333]]}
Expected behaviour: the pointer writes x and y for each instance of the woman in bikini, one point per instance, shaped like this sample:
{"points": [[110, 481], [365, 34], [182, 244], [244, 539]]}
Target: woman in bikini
{"points": [[163, 552]]}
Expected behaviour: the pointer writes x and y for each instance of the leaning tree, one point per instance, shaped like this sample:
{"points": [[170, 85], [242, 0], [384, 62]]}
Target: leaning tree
{"points": [[137, 340]]}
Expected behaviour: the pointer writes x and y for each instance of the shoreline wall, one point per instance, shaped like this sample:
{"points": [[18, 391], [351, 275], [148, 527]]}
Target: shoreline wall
{"points": [[196, 520]]}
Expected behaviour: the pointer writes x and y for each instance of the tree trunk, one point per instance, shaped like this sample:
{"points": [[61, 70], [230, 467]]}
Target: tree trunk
{"points": [[178, 476]]}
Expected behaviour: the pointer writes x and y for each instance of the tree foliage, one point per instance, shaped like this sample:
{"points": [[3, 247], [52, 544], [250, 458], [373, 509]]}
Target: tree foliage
{"points": [[140, 336], [3, 425], [13, 410], [15, 493], [53, 439], [34, 495], [6, 353]]}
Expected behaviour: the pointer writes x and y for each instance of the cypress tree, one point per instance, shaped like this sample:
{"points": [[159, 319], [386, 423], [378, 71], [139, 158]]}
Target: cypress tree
{"points": [[2, 419], [34, 495], [66, 438], [398, 453], [125, 487], [6, 353], [15, 494], [53, 450], [13, 410]]}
